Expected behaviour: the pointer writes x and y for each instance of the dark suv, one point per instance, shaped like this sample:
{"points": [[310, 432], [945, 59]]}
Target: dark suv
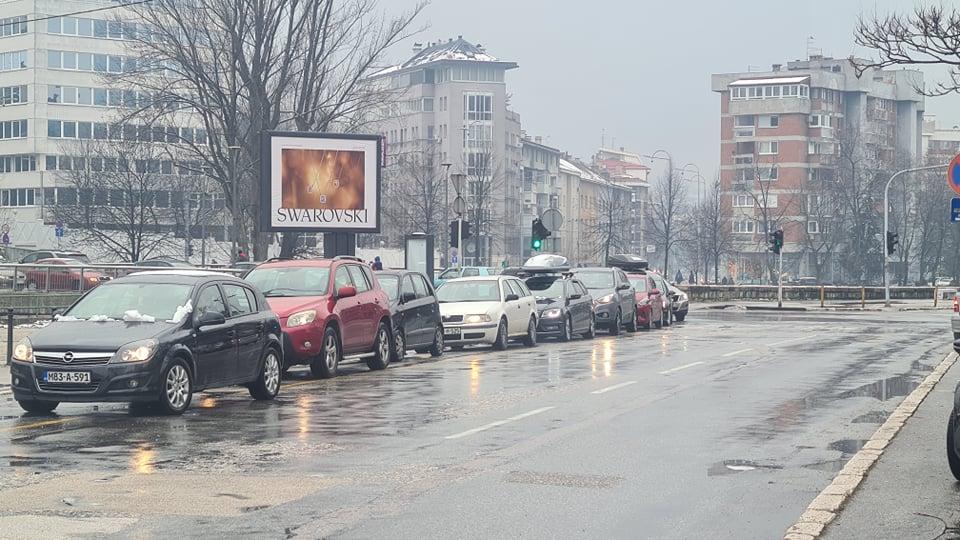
{"points": [[614, 300], [152, 337], [415, 312], [564, 306], [328, 308]]}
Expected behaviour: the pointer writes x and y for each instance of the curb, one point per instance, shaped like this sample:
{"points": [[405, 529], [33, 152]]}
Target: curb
{"points": [[774, 308], [830, 501]]}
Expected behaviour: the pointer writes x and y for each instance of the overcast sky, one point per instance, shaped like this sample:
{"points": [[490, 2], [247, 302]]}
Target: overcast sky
{"points": [[639, 70]]}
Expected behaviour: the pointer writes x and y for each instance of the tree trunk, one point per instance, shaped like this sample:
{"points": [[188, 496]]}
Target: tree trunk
{"points": [[288, 245]]}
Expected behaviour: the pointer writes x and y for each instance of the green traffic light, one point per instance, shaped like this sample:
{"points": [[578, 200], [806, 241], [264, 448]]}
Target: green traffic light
{"points": [[537, 244]]}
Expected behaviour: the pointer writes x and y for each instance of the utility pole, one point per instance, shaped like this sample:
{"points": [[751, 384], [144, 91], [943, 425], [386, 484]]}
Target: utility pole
{"points": [[780, 281], [234, 208], [460, 240]]}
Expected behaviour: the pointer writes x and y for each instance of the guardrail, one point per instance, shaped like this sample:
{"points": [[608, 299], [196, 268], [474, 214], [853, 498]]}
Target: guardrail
{"points": [[28, 278], [12, 315], [823, 293]]}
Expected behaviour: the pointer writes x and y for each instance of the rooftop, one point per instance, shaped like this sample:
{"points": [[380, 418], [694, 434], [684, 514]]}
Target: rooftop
{"points": [[451, 50]]}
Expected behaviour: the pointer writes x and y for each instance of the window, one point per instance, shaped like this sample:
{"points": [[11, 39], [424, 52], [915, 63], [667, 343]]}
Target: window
{"points": [[769, 121], [210, 301], [743, 201], [767, 173], [18, 197], [769, 147], [12, 26], [770, 201], [813, 227], [746, 120], [18, 163], [820, 120], [420, 286], [470, 272], [237, 300], [341, 278], [478, 107], [13, 60], [13, 129], [744, 226], [13, 95], [359, 278], [406, 287]]}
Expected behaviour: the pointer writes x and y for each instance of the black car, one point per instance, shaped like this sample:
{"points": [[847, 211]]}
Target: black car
{"points": [[614, 299], [564, 306], [154, 337], [414, 311], [953, 428]]}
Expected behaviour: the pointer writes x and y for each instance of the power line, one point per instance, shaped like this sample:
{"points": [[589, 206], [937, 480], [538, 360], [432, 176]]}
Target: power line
{"points": [[85, 11]]}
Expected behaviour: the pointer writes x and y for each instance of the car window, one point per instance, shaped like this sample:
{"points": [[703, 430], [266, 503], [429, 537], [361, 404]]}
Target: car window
{"points": [[470, 272], [622, 276], [389, 284], [341, 278], [30, 258], [290, 281], [524, 291], [581, 289], [639, 283], [251, 299], [406, 286], [515, 287], [420, 286], [237, 300], [485, 290], [359, 278], [210, 301], [449, 273]]}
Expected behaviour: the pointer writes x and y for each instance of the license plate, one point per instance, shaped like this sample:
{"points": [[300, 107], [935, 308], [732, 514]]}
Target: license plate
{"points": [[67, 377], [451, 333]]}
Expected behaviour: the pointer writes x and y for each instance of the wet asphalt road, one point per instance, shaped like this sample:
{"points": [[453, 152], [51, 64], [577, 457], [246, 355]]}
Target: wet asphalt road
{"points": [[725, 426]]}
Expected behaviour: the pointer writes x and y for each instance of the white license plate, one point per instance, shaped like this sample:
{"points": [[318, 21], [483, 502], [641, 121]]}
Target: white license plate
{"points": [[67, 377], [451, 332]]}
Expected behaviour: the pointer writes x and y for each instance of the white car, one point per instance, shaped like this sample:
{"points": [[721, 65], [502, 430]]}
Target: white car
{"points": [[487, 309]]}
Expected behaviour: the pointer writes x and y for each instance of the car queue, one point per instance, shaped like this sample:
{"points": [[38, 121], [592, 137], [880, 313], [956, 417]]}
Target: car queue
{"points": [[154, 338]]}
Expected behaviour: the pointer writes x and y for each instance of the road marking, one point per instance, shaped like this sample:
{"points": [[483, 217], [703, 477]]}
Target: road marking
{"points": [[42, 423], [774, 344], [734, 353], [498, 423], [614, 387], [680, 368]]}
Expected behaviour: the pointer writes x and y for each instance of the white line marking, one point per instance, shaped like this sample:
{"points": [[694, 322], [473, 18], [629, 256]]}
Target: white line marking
{"points": [[734, 353], [614, 387], [679, 368], [774, 344], [492, 425]]}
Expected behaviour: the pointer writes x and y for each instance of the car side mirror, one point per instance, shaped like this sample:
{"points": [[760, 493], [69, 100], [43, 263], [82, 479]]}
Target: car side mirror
{"points": [[346, 291], [576, 296], [407, 297], [211, 318], [511, 297], [623, 287]]}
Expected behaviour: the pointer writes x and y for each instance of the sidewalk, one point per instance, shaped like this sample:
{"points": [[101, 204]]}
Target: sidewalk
{"points": [[910, 478]]}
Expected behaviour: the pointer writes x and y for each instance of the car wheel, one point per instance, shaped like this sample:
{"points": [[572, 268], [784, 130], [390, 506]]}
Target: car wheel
{"points": [[501, 343], [267, 385], [37, 406], [681, 317], [952, 458], [177, 388], [531, 339], [437, 348], [327, 364], [399, 346], [381, 349], [567, 334], [633, 326], [615, 327], [592, 329]]}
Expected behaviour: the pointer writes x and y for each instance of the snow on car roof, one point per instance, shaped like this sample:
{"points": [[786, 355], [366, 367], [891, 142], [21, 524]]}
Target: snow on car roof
{"points": [[190, 273]]}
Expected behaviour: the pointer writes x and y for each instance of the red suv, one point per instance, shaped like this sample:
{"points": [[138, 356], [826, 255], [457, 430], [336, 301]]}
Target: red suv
{"points": [[328, 308], [650, 310]]}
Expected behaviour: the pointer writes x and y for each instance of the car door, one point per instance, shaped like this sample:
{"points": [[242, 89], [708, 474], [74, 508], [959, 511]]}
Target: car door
{"points": [[369, 306], [248, 324], [528, 302], [628, 297], [518, 314], [350, 312], [574, 301], [428, 310], [215, 347], [408, 311]]}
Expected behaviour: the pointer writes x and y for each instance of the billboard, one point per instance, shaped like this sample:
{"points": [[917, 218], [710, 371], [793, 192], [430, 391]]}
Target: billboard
{"points": [[320, 182]]}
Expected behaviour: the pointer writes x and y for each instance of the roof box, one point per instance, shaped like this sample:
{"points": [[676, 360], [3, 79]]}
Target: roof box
{"points": [[628, 262]]}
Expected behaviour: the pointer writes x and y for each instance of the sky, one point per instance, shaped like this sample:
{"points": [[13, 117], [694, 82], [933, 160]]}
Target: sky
{"points": [[636, 73]]}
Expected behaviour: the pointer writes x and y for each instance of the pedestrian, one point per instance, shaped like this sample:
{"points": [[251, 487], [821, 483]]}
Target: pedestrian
{"points": [[679, 277], [242, 256], [377, 265], [723, 281], [693, 279]]}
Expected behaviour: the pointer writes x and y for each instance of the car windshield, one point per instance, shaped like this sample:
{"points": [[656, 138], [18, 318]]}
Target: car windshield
{"points": [[599, 279], [469, 291], [290, 280], [546, 287], [131, 301], [639, 283], [389, 283]]}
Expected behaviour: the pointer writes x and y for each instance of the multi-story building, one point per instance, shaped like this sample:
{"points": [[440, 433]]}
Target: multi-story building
{"points": [[627, 169], [783, 131], [451, 102], [541, 190], [938, 142]]}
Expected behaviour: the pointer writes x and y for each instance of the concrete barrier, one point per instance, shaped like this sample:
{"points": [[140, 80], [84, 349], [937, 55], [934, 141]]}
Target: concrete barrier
{"points": [[725, 293], [37, 301]]}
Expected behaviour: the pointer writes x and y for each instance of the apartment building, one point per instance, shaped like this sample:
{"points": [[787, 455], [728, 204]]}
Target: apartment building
{"points": [[540, 168], [782, 131], [627, 169], [940, 143], [451, 104]]}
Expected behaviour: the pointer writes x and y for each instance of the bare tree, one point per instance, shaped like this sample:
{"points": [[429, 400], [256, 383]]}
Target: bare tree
{"points": [[667, 226], [414, 191], [715, 237], [485, 183], [610, 230]]}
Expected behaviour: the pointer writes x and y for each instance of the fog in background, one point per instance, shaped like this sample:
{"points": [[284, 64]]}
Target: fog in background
{"points": [[639, 70]]}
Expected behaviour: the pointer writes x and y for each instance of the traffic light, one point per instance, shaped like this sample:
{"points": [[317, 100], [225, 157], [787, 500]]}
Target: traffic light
{"points": [[538, 233], [465, 231], [453, 234], [776, 241], [892, 242]]}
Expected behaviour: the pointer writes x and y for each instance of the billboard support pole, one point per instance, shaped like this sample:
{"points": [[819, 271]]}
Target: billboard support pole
{"points": [[339, 243]]}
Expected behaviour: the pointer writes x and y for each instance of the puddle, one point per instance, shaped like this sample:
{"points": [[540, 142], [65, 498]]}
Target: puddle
{"points": [[884, 389], [734, 466], [919, 366], [833, 465], [872, 417], [847, 446]]}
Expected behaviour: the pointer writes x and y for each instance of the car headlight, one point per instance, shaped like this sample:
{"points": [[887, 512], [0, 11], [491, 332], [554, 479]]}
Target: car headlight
{"points": [[605, 299], [137, 351], [474, 319], [301, 318], [23, 351], [92, 279], [551, 313]]}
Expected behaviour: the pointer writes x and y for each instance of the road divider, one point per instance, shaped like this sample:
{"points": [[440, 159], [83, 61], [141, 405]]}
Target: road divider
{"points": [[614, 387], [680, 368], [498, 423]]}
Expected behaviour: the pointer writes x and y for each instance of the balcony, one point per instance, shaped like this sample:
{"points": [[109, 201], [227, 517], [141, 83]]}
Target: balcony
{"points": [[746, 131]]}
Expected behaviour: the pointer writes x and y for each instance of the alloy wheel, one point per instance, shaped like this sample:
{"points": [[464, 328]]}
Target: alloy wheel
{"points": [[383, 343], [271, 372], [330, 352], [401, 346], [177, 386]]}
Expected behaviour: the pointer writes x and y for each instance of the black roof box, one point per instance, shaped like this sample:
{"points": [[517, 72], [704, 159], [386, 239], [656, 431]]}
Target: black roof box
{"points": [[628, 262]]}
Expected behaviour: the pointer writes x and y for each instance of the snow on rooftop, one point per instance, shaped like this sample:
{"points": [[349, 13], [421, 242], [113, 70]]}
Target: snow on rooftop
{"points": [[778, 80], [453, 49]]}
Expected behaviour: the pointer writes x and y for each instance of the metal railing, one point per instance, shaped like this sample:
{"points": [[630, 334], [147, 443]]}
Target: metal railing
{"points": [[13, 315], [17, 277]]}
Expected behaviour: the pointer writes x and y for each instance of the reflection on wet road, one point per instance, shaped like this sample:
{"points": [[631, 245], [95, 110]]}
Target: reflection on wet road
{"points": [[728, 403]]}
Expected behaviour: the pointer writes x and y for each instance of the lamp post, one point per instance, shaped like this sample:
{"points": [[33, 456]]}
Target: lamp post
{"points": [[446, 213], [458, 182], [234, 206]]}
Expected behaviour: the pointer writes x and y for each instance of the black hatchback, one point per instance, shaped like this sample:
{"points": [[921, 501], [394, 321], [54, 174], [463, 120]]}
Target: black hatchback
{"points": [[564, 306], [414, 311], [152, 337]]}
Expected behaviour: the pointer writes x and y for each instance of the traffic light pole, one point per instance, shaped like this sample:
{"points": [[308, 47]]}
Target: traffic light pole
{"points": [[780, 280], [886, 223], [460, 250]]}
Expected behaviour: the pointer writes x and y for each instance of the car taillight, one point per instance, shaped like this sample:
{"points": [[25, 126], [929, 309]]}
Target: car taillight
{"points": [[956, 305]]}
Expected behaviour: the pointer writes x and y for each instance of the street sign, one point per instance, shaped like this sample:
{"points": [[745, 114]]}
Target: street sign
{"points": [[58, 232], [953, 174], [651, 248], [458, 179], [459, 205], [955, 209], [552, 219], [6, 238], [5, 228]]}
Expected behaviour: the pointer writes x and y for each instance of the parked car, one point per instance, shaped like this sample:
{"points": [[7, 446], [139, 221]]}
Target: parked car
{"points": [[955, 319], [650, 311], [328, 309], [564, 306], [163, 262], [415, 312], [614, 300], [154, 337], [943, 281], [70, 278], [462, 271], [680, 303], [35, 256], [490, 310], [953, 429]]}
